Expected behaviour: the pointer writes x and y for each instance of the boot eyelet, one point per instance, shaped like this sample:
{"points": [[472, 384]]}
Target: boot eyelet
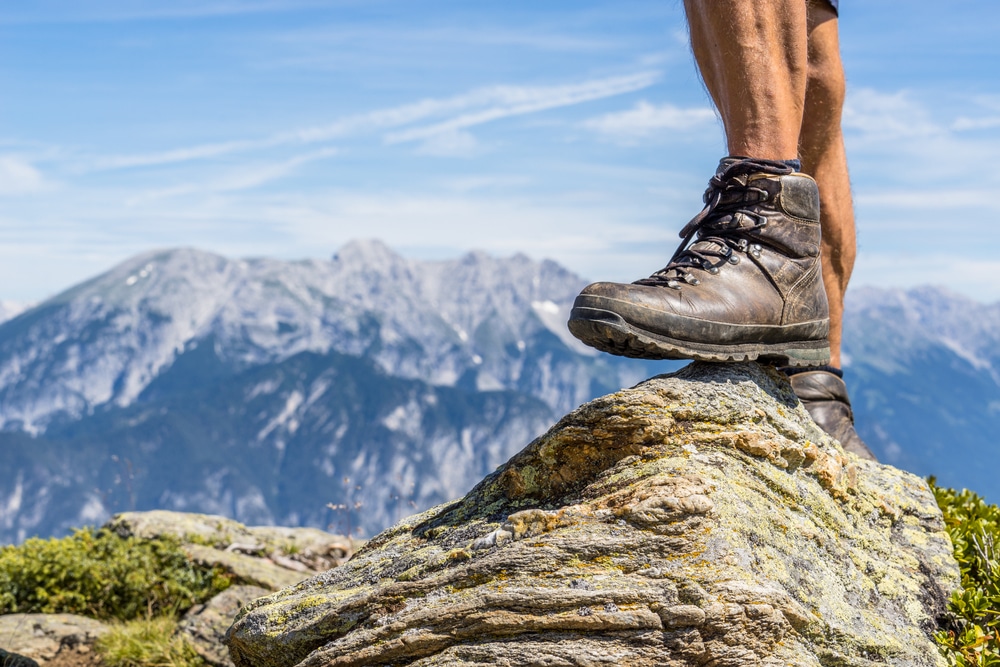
{"points": [[713, 270], [733, 259]]}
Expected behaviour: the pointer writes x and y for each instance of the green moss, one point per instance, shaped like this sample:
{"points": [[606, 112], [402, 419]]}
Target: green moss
{"points": [[102, 575], [972, 635], [147, 642]]}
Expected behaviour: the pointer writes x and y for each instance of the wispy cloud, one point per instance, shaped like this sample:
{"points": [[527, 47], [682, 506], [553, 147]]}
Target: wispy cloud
{"points": [[474, 107], [887, 116], [175, 155], [245, 178], [516, 101], [964, 123], [18, 176], [645, 119]]}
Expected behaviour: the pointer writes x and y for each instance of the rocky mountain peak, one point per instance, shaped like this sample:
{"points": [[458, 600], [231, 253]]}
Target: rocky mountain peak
{"points": [[367, 255]]}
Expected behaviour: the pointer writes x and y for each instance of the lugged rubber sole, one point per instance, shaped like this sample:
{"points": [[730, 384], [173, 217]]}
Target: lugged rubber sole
{"points": [[610, 332]]}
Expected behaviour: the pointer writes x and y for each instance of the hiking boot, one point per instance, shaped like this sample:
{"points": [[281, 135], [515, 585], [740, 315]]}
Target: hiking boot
{"points": [[824, 396], [15, 660], [744, 284]]}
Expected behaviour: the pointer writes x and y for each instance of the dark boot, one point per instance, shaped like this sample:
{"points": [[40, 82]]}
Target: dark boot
{"points": [[15, 660], [824, 395], [748, 287]]}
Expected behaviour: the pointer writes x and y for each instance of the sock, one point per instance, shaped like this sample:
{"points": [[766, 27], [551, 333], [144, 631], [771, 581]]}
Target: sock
{"points": [[829, 369], [777, 166]]}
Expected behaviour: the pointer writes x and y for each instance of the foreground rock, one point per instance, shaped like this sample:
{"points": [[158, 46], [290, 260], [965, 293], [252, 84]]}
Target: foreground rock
{"points": [[43, 637], [697, 519]]}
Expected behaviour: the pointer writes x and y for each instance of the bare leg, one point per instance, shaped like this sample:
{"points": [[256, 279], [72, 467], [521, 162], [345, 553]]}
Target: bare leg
{"points": [[746, 281], [821, 147], [753, 57]]}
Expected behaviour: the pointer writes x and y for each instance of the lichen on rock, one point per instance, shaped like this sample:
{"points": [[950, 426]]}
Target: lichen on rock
{"points": [[699, 518]]}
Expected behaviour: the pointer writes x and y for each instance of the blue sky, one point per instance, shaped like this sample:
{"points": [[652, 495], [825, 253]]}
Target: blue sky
{"points": [[576, 130]]}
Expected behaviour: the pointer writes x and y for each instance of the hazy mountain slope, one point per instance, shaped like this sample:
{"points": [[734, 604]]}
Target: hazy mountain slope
{"points": [[272, 444], [923, 372]]}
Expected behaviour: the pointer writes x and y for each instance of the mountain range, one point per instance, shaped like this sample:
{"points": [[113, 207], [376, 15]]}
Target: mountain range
{"points": [[341, 393], [346, 393]]}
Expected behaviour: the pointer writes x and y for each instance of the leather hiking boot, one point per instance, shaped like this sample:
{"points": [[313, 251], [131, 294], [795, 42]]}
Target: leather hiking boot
{"points": [[744, 284], [824, 396]]}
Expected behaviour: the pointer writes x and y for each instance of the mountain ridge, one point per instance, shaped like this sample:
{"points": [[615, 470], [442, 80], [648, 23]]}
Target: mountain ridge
{"points": [[267, 390]]}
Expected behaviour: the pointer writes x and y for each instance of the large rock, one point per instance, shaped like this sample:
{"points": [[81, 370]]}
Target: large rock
{"points": [[696, 519]]}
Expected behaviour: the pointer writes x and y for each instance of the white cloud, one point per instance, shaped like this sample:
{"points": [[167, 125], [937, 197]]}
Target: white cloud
{"points": [[17, 176], [887, 117], [645, 119], [963, 123], [450, 144]]}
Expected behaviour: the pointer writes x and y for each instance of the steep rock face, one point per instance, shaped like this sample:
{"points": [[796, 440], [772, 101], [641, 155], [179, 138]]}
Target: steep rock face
{"points": [[696, 519]]}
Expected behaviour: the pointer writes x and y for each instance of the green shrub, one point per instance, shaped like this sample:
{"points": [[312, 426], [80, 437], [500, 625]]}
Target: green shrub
{"points": [[972, 636], [146, 643], [102, 575]]}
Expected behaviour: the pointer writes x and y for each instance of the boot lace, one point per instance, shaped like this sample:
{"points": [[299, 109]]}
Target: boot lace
{"points": [[721, 227]]}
